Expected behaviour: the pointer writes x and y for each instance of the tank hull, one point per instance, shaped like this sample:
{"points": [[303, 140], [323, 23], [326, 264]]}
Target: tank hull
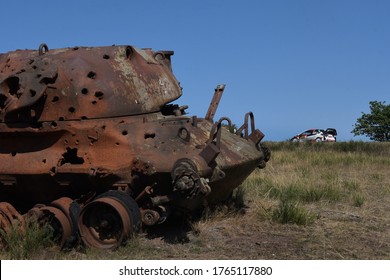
{"points": [[72, 158]]}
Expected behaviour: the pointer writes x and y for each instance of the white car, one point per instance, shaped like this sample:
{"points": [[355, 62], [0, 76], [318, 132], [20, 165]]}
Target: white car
{"points": [[316, 135], [313, 134]]}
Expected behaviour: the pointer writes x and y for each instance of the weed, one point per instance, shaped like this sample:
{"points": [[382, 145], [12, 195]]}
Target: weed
{"points": [[238, 198], [351, 186], [332, 193], [358, 200], [313, 194], [27, 244], [292, 212]]}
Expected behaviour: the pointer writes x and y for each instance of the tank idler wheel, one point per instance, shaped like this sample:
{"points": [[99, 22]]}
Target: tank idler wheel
{"points": [[109, 220], [10, 219]]}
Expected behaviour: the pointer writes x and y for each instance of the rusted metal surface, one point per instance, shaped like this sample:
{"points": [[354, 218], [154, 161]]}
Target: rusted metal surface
{"points": [[10, 219], [109, 220], [61, 215], [215, 102], [84, 83], [88, 131]]}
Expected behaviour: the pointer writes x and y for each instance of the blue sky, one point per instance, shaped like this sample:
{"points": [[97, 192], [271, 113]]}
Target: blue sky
{"points": [[296, 64]]}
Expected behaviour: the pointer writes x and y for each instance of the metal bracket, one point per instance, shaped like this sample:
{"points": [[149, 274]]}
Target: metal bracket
{"points": [[256, 135], [213, 144], [214, 102]]}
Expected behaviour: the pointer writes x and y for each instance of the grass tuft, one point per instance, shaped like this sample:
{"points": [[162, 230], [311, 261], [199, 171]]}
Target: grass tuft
{"points": [[358, 200], [28, 243], [292, 212]]}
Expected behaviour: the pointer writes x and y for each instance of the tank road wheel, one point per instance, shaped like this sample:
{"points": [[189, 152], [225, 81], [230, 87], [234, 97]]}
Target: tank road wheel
{"points": [[109, 220], [10, 218], [61, 215], [63, 204], [71, 209], [58, 221]]}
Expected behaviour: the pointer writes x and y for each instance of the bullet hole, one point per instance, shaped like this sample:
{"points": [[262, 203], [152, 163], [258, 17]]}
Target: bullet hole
{"points": [[48, 80], [13, 85], [106, 56], [61, 119], [13, 154], [84, 117], [71, 109], [117, 144], [53, 170], [129, 51], [92, 139], [124, 132], [84, 91], [149, 135], [55, 99], [103, 127], [32, 92], [39, 75], [44, 160], [94, 102], [91, 75], [75, 48], [66, 142], [70, 156], [34, 67], [53, 124], [99, 94]]}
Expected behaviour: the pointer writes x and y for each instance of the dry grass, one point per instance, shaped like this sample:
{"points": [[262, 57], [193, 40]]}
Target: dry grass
{"points": [[313, 201]]}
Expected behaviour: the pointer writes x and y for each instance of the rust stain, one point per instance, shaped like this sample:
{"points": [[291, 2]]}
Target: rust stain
{"points": [[91, 143]]}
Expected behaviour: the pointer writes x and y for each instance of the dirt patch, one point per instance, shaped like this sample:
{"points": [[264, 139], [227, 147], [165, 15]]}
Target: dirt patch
{"points": [[334, 235]]}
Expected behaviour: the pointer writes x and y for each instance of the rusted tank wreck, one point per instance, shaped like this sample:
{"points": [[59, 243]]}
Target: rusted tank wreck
{"points": [[91, 144]]}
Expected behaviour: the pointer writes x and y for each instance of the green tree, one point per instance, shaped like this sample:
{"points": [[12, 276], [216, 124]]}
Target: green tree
{"points": [[375, 125]]}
